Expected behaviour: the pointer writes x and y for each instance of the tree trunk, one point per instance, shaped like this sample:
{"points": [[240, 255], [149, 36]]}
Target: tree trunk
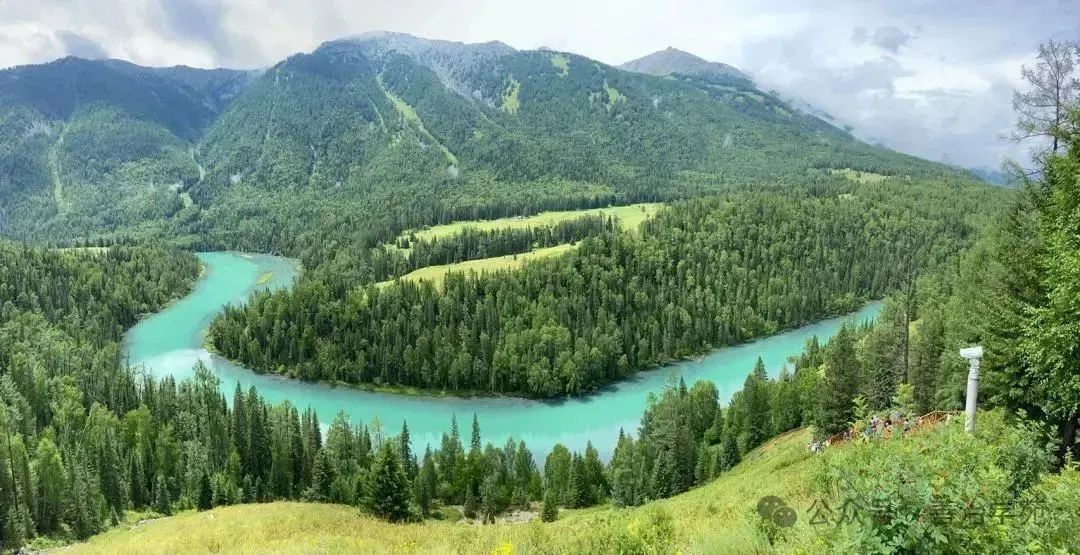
{"points": [[1068, 438]]}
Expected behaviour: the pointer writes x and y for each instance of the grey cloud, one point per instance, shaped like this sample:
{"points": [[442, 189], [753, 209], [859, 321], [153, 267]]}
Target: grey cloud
{"points": [[75, 44], [889, 38], [199, 21], [938, 123], [880, 74], [859, 35]]}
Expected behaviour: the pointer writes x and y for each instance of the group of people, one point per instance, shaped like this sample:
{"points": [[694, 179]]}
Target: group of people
{"points": [[876, 427], [887, 426]]}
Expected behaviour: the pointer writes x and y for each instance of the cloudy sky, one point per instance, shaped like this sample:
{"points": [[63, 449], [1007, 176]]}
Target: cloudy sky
{"points": [[933, 78]]}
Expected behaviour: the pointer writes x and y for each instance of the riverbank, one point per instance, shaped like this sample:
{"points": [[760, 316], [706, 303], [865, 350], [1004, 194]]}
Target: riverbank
{"points": [[171, 342], [469, 394]]}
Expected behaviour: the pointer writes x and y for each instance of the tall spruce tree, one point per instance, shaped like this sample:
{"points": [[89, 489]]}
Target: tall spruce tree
{"points": [[757, 412], [841, 384], [387, 486]]}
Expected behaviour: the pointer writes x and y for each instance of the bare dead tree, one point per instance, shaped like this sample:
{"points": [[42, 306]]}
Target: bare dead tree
{"points": [[1043, 111]]}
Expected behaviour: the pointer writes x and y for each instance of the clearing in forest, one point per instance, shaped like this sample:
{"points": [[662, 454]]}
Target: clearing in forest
{"points": [[860, 176], [435, 274], [629, 217]]}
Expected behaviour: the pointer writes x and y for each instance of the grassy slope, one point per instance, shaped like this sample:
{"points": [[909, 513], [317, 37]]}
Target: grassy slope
{"points": [[435, 274], [860, 176], [630, 217], [717, 518]]}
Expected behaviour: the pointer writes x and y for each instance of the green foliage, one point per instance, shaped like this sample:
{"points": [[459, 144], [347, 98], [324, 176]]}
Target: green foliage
{"points": [[550, 512], [1013, 293], [840, 386], [971, 493], [388, 486], [701, 274], [367, 138]]}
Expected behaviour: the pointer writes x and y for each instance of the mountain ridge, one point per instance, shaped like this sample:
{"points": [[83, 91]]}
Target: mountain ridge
{"points": [[413, 129]]}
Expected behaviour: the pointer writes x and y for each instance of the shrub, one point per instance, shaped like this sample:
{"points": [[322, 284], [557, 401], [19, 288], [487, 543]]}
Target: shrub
{"points": [[942, 491]]}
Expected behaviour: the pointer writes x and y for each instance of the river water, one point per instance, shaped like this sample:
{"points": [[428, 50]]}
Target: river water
{"points": [[171, 341]]}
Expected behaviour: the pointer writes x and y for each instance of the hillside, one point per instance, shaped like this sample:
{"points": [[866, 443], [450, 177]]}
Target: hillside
{"points": [[923, 489], [87, 146], [379, 133], [717, 518]]}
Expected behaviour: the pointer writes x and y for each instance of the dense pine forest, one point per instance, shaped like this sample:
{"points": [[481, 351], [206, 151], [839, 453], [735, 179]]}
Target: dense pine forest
{"points": [[88, 439], [114, 173], [704, 273]]}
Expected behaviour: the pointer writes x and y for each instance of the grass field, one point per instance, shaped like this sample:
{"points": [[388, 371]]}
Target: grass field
{"points": [[510, 101], [561, 63], [630, 217], [436, 274], [860, 177], [717, 518], [87, 250]]}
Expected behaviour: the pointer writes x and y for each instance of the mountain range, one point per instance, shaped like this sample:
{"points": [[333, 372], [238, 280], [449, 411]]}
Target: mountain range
{"points": [[386, 130]]}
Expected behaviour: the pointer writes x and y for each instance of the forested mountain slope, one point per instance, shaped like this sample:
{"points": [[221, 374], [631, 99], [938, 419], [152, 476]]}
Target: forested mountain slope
{"points": [[378, 133], [89, 146]]}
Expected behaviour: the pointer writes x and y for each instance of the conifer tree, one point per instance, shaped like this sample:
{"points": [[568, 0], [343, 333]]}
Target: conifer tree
{"points": [[729, 454], [388, 488], [471, 505], [424, 485], [206, 493], [550, 512], [704, 467], [595, 479], [575, 492], [489, 503], [623, 476], [323, 476], [407, 458], [162, 501], [841, 384], [755, 396], [52, 486]]}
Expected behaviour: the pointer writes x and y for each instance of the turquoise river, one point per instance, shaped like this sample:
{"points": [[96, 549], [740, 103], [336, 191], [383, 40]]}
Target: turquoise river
{"points": [[171, 341]]}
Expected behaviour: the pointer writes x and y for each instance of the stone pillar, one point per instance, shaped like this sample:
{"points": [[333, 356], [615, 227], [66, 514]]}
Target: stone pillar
{"points": [[974, 357]]}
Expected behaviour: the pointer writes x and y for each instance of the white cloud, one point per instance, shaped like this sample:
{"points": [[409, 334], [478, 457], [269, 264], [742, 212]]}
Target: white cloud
{"points": [[927, 77]]}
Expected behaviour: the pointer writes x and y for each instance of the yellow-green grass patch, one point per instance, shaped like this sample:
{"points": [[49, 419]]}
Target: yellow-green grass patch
{"points": [[510, 101], [561, 63], [754, 96], [85, 250], [613, 95], [629, 217], [857, 176], [436, 274], [408, 113]]}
